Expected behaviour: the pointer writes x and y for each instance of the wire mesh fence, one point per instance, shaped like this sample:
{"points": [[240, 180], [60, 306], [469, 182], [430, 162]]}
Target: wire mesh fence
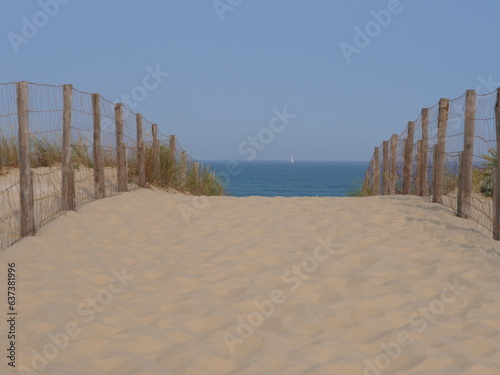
{"points": [[41, 178], [448, 155]]}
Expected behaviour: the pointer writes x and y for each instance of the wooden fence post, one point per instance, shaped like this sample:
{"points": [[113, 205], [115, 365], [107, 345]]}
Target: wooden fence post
{"points": [[376, 172], [68, 173], [100, 188], [156, 152], [424, 182], [408, 159], [386, 175], [121, 150], [439, 167], [25, 177], [371, 172], [460, 184], [464, 205], [393, 167], [496, 186], [419, 169], [141, 159], [434, 161], [183, 168], [172, 146], [403, 168]]}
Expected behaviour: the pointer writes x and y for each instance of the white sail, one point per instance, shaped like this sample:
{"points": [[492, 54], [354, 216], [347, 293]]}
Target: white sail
{"points": [[291, 159]]}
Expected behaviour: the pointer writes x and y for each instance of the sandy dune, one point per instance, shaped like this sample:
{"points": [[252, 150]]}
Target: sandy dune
{"points": [[47, 183], [154, 283]]}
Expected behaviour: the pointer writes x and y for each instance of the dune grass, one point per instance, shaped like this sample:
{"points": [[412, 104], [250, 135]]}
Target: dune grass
{"points": [[482, 178], [45, 153], [8, 154], [204, 182], [48, 153], [362, 190], [168, 172]]}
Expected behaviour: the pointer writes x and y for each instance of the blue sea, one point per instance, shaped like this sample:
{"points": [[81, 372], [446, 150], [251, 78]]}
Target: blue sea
{"points": [[282, 178]]}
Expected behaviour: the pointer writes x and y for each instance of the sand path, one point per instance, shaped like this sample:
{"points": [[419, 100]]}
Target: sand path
{"points": [[381, 285]]}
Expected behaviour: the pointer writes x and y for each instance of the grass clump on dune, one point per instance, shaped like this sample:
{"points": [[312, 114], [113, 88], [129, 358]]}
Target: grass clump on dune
{"points": [[363, 190], [482, 178], [169, 173], [8, 154], [45, 153], [205, 182]]}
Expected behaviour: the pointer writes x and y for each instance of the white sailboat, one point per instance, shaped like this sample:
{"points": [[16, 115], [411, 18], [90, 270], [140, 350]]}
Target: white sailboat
{"points": [[291, 159]]}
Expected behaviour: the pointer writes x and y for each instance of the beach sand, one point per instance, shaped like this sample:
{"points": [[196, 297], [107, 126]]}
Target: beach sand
{"points": [[47, 183], [154, 283]]}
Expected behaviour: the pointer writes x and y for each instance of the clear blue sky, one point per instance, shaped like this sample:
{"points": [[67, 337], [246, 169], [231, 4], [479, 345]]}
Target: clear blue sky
{"points": [[226, 77]]}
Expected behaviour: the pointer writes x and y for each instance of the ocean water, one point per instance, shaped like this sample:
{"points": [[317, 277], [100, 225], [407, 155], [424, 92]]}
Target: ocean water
{"points": [[282, 178]]}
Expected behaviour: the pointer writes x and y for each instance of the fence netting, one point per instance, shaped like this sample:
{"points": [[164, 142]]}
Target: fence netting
{"points": [[45, 111], [9, 181], [484, 160]]}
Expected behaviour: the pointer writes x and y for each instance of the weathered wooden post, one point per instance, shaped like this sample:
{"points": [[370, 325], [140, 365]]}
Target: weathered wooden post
{"points": [[100, 188], [434, 161], [156, 152], [393, 167], [464, 205], [496, 186], [386, 175], [141, 159], [439, 167], [460, 184], [408, 159], [183, 171], [419, 169], [121, 150], [424, 182], [376, 172], [371, 172], [68, 173], [172, 147], [403, 168], [25, 177]]}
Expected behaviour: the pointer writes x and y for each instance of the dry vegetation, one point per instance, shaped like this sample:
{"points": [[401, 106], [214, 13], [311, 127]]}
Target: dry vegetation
{"points": [[47, 153]]}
